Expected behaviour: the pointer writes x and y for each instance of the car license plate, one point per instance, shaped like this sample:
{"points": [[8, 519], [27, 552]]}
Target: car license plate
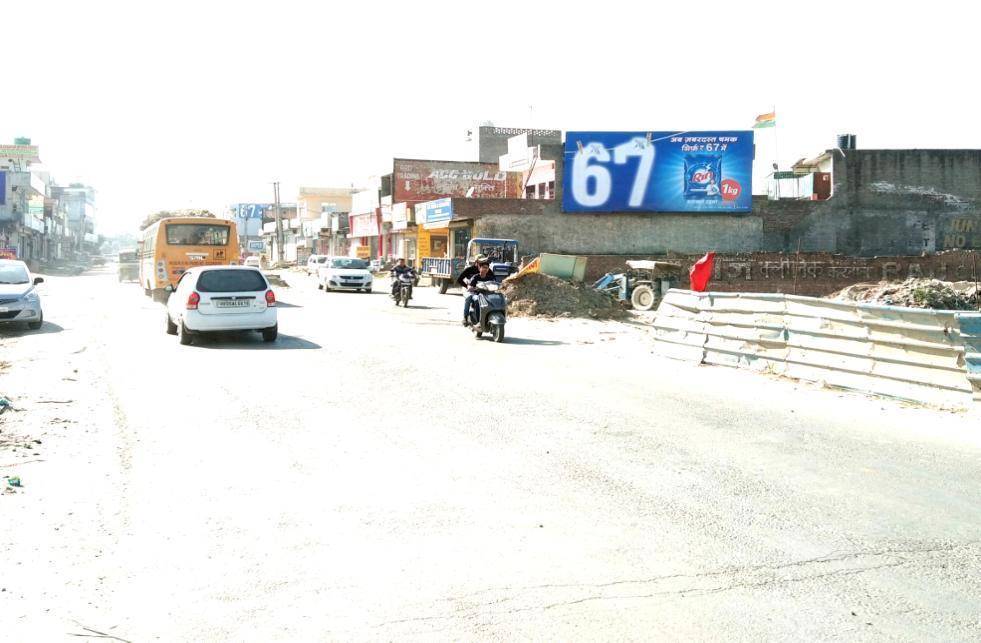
{"points": [[233, 304]]}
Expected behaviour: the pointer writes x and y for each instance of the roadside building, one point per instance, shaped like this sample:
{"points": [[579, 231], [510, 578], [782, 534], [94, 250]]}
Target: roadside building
{"points": [[315, 207]]}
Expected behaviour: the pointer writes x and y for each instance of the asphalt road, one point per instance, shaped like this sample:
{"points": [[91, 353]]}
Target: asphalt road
{"points": [[377, 473]]}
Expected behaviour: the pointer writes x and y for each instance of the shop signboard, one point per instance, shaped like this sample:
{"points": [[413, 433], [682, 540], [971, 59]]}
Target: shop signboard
{"points": [[364, 225], [658, 172], [363, 252], [420, 180], [7, 252], [436, 214], [400, 219], [254, 245]]}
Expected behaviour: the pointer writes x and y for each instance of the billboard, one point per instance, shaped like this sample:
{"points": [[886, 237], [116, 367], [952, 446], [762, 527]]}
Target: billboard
{"points": [[658, 172], [251, 210], [254, 245], [20, 153], [417, 180]]}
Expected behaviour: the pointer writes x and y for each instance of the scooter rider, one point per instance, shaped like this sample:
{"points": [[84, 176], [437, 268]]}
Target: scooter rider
{"points": [[399, 270], [484, 273], [469, 271]]}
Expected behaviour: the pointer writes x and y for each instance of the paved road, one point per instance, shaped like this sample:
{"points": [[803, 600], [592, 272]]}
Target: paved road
{"points": [[379, 474]]}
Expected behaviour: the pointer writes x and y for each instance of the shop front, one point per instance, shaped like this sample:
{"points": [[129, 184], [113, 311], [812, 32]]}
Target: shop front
{"points": [[365, 236]]}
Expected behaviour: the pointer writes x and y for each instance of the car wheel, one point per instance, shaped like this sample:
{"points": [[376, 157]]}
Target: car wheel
{"points": [[183, 336], [36, 325], [171, 326], [270, 334]]}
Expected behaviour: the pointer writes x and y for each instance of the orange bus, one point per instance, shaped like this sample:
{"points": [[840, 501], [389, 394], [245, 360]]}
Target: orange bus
{"points": [[171, 246]]}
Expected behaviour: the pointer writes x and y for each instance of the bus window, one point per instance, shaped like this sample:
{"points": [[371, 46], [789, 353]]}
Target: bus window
{"points": [[197, 234]]}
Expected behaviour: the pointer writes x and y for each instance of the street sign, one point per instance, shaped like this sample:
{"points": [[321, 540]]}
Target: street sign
{"points": [[256, 245]]}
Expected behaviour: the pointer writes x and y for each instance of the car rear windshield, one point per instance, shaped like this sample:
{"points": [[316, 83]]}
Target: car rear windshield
{"points": [[349, 264], [13, 274], [231, 281], [197, 234]]}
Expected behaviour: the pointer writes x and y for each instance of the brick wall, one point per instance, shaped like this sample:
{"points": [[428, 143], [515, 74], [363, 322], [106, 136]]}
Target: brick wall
{"points": [[815, 274]]}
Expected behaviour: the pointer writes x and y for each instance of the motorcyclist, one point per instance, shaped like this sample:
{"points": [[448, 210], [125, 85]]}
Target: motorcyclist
{"points": [[483, 274], [400, 269]]}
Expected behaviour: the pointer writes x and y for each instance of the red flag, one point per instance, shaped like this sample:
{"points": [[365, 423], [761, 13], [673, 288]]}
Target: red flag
{"points": [[701, 272]]}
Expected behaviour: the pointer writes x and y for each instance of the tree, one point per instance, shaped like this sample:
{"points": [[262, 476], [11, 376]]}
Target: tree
{"points": [[163, 214]]}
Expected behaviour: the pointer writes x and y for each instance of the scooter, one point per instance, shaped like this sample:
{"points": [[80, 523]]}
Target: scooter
{"points": [[489, 312], [403, 293]]}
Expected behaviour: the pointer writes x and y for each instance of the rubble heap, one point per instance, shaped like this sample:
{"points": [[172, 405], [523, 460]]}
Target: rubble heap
{"points": [[914, 293], [535, 294]]}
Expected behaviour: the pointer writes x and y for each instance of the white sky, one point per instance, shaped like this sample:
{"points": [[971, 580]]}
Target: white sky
{"points": [[201, 104]]}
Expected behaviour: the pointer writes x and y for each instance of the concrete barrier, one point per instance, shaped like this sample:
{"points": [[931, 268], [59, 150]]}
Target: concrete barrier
{"points": [[912, 354], [970, 327]]}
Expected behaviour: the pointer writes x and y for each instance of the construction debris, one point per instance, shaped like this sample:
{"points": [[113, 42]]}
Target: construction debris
{"points": [[538, 295], [914, 293]]}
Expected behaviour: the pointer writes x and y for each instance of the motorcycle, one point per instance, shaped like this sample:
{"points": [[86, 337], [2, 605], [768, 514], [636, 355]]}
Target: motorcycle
{"points": [[403, 293], [489, 312]]}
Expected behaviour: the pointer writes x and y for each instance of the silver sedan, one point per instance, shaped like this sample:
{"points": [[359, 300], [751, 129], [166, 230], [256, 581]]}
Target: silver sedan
{"points": [[19, 299]]}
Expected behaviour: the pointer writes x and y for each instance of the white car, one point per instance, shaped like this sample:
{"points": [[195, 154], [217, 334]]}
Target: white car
{"points": [[345, 273], [252, 262], [19, 299], [211, 299], [315, 262]]}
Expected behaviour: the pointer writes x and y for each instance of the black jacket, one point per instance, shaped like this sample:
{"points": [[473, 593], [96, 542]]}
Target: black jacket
{"points": [[398, 270], [467, 273], [477, 278]]}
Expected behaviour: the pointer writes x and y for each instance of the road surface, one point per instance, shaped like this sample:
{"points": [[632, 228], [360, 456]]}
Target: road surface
{"points": [[379, 474]]}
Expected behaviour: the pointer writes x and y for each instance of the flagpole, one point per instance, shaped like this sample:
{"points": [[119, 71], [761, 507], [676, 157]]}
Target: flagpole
{"points": [[776, 142]]}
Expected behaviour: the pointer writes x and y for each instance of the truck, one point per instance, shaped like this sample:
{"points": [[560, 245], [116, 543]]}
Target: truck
{"points": [[444, 271]]}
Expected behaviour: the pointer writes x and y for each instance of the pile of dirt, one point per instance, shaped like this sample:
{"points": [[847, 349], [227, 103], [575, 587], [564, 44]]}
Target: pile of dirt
{"points": [[914, 293], [534, 294]]}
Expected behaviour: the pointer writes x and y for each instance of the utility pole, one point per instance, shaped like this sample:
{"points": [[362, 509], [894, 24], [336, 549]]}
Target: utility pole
{"points": [[279, 222]]}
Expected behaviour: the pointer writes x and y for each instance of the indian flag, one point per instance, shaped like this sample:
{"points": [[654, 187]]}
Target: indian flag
{"points": [[765, 120]]}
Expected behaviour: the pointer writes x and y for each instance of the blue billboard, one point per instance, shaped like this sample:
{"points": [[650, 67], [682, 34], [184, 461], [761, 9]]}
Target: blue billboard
{"points": [[658, 172], [250, 210], [439, 212]]}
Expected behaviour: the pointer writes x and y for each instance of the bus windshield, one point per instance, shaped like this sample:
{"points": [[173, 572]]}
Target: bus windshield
{"points": [[197, 234]]}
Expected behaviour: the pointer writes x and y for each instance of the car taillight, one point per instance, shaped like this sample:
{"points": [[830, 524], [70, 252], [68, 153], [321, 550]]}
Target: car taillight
{"points": [[192, 301], [270, 298]]}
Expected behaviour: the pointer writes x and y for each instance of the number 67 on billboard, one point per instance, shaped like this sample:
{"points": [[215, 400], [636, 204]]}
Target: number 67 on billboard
{"points": [[658, 172]]}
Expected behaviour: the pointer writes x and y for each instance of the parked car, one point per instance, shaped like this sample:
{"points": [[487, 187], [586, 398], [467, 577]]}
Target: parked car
{"points": [[221, 298], [344, 273], [19, 299], [315, 262], [252, 262]]}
